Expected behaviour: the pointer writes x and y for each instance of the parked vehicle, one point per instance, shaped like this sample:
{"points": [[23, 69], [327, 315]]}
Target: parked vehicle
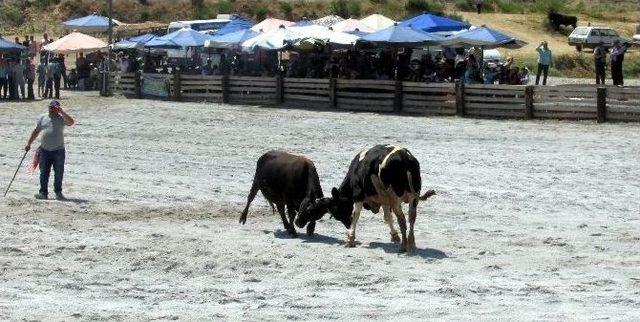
{"points": [[589, 37], [210, 25]]}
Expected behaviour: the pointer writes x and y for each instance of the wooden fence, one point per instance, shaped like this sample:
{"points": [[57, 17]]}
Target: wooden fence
{"points": [[575, 102]]}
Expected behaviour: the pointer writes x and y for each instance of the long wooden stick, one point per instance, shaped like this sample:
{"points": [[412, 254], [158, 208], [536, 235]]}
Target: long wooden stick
{"points": [[14, 175]]}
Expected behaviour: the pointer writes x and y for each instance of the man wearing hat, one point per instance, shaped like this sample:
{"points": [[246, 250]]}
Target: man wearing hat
{"points": [[51, 151], [617, 58]]}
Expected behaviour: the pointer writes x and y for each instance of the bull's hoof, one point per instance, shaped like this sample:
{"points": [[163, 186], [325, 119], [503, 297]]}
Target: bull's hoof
{"points": [[350, 244], [311, 227], [410, 248], [395, 238], [403, 247], [292, 232]]}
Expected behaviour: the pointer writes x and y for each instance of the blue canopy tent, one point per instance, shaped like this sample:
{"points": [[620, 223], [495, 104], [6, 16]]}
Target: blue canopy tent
{"points": [[134, 42], [143, 39], [401, 36], [185, 37], [483, 37], [230, 40], [433, 23], [234, 25], [10, 46], [161, 43], [90, 24]]}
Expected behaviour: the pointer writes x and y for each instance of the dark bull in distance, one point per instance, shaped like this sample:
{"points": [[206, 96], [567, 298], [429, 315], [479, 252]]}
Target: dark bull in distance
{"points": [[285, 180], [384, 176]]}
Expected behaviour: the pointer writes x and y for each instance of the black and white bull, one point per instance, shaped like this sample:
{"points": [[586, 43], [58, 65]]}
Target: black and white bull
{"points": [[384, 176], [285, 180]]}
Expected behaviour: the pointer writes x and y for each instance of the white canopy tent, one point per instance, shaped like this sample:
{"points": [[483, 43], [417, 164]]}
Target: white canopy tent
{"points": [[76, 42], [377, 22], [273, 40], [323, 33]]}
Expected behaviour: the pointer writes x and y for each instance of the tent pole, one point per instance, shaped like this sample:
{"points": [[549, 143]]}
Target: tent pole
{"points": [[105, 80]]}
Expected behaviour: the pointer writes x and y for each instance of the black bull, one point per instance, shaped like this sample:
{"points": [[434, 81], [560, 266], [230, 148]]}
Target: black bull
{"points": [[286, 180]]}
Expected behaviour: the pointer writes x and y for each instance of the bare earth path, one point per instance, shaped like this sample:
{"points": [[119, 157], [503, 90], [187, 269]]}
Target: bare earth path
{"points": [[533, 220]]}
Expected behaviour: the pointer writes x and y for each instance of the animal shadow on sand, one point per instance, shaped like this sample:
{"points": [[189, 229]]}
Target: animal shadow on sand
{"points": [[315, 238], [426, 253]]}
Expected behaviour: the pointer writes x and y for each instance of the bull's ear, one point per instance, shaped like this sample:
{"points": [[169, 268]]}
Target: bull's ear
{"points": [[335, 194]]}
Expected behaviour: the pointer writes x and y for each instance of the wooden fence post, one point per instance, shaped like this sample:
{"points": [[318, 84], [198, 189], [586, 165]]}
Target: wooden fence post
{"points": [[528, 102], [224, 84], [279, 89], [177, 86], [137, 83], [602, 104], [460, 98], [397, 97], [333, 93]]}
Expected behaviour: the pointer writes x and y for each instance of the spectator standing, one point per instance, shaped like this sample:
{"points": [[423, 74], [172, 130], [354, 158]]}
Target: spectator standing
{"points": [[57, 75], [479, 4], [33, 48], [600, 60], [48, 89], [63, 70], [11, 80], [18, 76], [617, 58], [82, 69], [544, 62], [4, 82], [42, 74], [30, 72]]}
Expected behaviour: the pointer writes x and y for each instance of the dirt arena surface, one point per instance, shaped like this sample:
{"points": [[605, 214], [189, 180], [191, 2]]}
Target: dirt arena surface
{"points": [[533, 220]]}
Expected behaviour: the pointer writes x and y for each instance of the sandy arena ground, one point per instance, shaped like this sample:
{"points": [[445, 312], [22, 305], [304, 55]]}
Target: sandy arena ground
{"points": [[532, 221]]}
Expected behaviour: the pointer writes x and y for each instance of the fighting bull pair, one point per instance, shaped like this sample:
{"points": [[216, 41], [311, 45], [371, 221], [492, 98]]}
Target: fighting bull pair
{"points": [[384, 176]]}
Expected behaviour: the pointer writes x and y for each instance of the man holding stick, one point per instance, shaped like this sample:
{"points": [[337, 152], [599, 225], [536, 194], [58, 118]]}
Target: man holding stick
{"points": [[51, 152]]}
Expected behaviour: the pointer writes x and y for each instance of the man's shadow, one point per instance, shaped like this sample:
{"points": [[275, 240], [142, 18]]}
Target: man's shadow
{"points": [[426, 253], [74, 200]]}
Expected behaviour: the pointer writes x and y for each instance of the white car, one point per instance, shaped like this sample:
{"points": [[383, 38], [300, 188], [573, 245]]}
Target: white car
{"points": [[636, 39], [589, 37]]}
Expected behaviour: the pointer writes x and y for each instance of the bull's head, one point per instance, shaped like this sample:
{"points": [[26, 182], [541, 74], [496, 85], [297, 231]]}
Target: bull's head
{"points": [[312, 210]]}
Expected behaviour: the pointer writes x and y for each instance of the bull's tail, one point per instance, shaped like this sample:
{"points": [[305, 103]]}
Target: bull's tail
{"points": [[252, 195], [425, 196]]}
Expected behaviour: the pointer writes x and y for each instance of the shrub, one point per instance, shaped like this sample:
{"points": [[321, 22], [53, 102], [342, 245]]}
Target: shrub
{"points": [[345, 8], [465, 5], [11, 13], [509, 6], [261, 13], [355, 8], [339, 8], [286, 9], [414, 7], [74, 8], [547, 6], [225, 6]]}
